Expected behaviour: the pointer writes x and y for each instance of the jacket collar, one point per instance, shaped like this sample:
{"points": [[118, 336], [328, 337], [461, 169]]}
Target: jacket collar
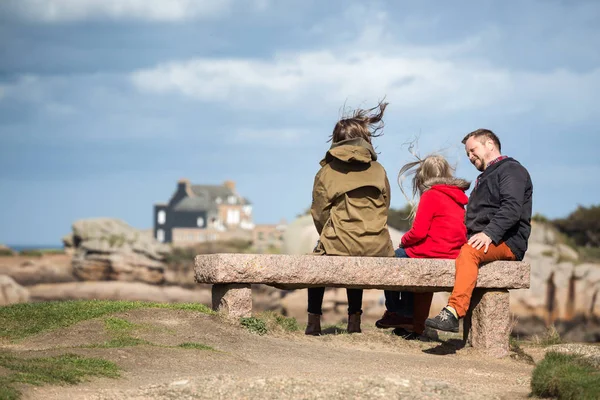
{"points": [[350, 150]]}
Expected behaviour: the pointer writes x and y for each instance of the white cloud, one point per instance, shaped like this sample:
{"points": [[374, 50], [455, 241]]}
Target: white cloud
{"points": [[152, 10], [413, 82]]}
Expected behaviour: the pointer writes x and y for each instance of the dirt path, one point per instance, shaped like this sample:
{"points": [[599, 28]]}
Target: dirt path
{"points": [[290, 365]]}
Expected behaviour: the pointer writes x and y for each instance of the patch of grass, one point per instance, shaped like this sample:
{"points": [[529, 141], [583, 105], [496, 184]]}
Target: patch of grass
{"points": [[113, 324], [254, 325], [551, 337], [4, 253], [565, 376], [286, 323], [7, 392], [120, 341], [275, 321], [193, 345], [64, 369], [518, 353], [18, 321]]}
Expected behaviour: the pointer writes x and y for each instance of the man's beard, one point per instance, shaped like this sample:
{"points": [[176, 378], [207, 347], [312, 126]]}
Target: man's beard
{"points": [[481, 166]]}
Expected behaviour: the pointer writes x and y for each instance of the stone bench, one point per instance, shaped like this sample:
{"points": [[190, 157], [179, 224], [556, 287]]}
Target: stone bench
{"points": [[486, 327]]}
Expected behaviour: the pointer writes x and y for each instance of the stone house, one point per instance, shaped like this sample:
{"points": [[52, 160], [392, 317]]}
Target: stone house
{"points": [[269, 237], [201, 213]]}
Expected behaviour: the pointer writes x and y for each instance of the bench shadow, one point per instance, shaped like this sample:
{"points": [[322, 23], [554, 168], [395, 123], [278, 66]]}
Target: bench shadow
{"points": [[333, 330], [447, 347]]}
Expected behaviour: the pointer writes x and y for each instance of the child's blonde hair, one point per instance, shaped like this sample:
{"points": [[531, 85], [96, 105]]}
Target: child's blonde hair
{"points": [[432, 166]]}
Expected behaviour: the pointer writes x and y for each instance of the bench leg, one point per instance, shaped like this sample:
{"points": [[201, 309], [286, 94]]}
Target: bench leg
{"points": [[233, 300], [487, 323]]}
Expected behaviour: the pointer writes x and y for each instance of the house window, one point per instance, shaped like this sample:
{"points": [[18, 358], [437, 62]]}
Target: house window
{"points": [[160, 235], [231, 199], [200, 222], [218, 200], [233, 217], [247, 210], [161, 217]]}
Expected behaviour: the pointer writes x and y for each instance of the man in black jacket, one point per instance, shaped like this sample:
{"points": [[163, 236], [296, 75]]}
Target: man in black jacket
{"points": [[498, 221]]}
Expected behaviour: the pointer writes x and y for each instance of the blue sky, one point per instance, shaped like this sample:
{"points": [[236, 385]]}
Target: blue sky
{"points": [[105, 104]]}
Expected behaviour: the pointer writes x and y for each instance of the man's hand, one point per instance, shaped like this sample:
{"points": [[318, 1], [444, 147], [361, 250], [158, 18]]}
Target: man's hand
{"points": [[479, 240]]}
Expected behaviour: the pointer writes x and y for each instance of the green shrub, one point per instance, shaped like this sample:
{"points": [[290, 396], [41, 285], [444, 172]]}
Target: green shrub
{"points": [[589, 254], [549, 338], [565, 376], [582, 225], [537, 217], [254, 325], [6, 252], [31, 253]]}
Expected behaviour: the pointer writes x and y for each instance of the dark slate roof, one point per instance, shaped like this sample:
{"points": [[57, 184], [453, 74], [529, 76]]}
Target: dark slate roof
{"points": [[205, 197], [214, 191], [195, 204]]}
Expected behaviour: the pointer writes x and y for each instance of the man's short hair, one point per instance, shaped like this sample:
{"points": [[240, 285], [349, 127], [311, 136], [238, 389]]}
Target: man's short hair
{"points": [[486, 133]]}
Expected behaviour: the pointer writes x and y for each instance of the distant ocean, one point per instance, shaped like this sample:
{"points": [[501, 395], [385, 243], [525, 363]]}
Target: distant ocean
{"points": [[21, 247]]}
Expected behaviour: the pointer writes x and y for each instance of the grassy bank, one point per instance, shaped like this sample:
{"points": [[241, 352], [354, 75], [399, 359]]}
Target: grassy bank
{"points": [[18, 321]]}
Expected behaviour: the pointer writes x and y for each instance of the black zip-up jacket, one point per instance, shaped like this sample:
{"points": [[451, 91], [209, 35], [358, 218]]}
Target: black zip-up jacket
{"points": [[500, 205]]}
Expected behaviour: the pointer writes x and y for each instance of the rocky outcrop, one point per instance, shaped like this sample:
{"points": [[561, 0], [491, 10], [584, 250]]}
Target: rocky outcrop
{"points": [[31, 272], [109, 249], [561, 287], [11, 292], [6, 251]]}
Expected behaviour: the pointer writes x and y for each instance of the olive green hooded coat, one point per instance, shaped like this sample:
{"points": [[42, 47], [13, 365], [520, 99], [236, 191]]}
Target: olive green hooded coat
{"points": [[351, 198]]}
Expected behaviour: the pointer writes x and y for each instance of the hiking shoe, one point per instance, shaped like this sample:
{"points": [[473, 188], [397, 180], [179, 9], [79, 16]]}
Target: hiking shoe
{"points": [[444, 321], [393, 320]]}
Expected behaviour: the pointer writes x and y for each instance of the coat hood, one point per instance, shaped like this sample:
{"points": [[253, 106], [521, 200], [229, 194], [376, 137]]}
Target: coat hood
{"points": [[350, 151], [452, 187]]}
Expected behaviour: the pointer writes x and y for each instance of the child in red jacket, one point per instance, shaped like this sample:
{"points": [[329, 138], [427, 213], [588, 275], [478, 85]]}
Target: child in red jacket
{"points": [[438, 231]]}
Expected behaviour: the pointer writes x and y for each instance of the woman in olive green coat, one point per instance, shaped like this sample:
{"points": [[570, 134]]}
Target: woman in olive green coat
{"points": [[351, 199]]}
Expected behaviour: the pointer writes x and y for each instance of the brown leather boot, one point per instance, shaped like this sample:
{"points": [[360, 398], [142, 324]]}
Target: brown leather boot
{"points": [[354, 323], [313, 327]]}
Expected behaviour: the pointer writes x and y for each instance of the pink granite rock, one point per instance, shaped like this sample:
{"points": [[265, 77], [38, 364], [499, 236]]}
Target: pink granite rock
{"points": [[487, 323], [300, 271], [234, 300]]}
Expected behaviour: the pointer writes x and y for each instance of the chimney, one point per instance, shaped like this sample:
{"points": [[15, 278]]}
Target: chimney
{"points": [[230, 185], [184, 186]]}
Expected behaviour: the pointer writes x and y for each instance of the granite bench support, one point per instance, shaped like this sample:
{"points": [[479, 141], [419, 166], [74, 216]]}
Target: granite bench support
{"points": [[486, 327]]}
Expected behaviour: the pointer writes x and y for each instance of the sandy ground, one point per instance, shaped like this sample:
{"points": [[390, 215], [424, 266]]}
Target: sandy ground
{"points": [[374, 364]]}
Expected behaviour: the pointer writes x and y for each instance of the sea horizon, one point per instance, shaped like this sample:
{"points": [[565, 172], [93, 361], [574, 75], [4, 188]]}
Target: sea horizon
{"points": [[21, 247]]}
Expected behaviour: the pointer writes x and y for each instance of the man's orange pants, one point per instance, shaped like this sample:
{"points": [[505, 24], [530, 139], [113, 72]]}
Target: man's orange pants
{"points": [[467, 269]]}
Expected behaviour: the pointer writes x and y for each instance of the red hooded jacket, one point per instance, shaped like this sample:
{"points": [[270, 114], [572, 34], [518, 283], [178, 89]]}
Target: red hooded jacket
{"points": [[439, 230]]}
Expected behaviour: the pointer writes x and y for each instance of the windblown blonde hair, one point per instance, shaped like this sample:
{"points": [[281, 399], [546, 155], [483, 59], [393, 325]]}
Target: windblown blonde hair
{"points": [[432, 166]]}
